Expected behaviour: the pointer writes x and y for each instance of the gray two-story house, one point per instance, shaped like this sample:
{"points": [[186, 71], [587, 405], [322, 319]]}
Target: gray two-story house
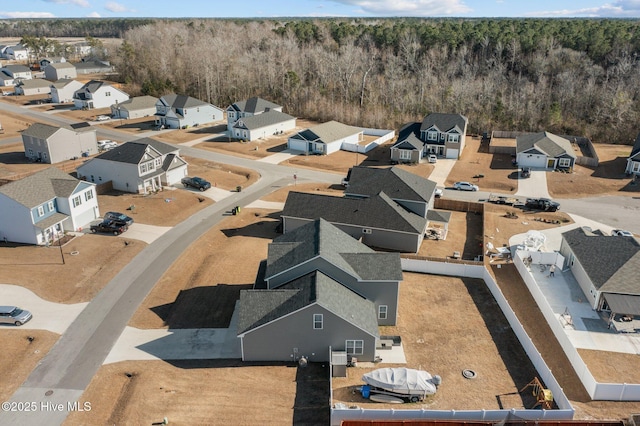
{"points": [[181, 111], [52, 144], [440, 134]]}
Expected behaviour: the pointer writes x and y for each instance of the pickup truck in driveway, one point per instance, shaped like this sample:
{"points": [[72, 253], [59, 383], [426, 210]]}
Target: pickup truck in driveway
{"points": [[542, 204], [109, 226], [196, 182]]}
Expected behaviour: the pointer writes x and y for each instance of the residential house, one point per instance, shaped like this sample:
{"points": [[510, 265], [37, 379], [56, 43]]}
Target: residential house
{"points": [[12, 74], [377, 220], [412, 192], [181, 111], [606, 268], [263, 125], [44, 62], [248, 108], [36, 86], [409, 148], [544, 150], [62, 91], [60, 70], [98, 94], [17, 52], [82, 48], [3, 51], [440, 133], [137, 107], [41, 207], [325, 138], [52, 144], [633, 162], [322, 288], [141, 166], [93, 67]]}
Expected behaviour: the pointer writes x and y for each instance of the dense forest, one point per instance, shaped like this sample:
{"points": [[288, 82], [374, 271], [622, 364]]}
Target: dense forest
{"points": [[569, 76]]}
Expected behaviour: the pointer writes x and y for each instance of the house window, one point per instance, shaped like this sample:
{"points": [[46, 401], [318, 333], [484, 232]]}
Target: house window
{"points": [[77, 201], [88, 195], [30, 152], [51, 207], [107, 93], [564, 162], [355, 347], [636, 167], [40, 211], [432, 135], [453, 138], [405, 154], [317, 321], [382, 311], [158, 162]]}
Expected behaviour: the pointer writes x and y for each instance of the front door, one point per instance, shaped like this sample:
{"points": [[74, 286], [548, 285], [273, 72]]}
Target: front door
{"points": [[551, 163]]}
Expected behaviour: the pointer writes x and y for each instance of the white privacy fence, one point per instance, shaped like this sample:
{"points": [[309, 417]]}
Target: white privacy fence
{"points": [[383, 136], [565, 410]]}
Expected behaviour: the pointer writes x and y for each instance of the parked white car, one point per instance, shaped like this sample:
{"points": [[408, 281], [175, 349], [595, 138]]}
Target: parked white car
{"points": [[106, 144], [465, 186], [103, 118], [621, 233], [432, 158]]}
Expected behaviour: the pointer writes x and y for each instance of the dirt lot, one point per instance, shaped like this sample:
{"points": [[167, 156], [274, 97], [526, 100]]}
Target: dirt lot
{"points": [[606, 179], [13, 124], [499, 173]]}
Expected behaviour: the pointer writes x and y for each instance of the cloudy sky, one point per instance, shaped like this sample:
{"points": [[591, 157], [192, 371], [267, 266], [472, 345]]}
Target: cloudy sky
{"points": [[354, 8]]}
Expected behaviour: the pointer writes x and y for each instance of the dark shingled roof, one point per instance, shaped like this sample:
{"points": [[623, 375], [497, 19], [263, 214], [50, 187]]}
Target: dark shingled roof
{"points": [[182, 101], [397, 183], [134, 151], [545, 142], [321, 238], [41, 187], [259, 307], [409, 137], [636, 147], [254, 105], [378, 211], [612, 263], [328, 132], [444, 122]]}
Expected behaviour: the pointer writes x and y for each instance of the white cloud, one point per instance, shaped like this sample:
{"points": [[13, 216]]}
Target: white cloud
{"points": [[13, 15], [618, 9], [117, 8], [81, 3], [409, 7], [93, 15]]}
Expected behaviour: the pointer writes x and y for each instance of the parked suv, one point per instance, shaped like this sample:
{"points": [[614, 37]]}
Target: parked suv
{"points": [[118, 217], [526, 172], [106, 144], [543, 204], [196, 182], [14, 315]]}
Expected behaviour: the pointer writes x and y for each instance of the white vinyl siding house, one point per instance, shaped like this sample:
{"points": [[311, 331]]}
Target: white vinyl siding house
{"points": [[98, 94], [51, 144], [62, 91], [181, 111], [40, 208], [263, 125], [633, 162], [248, 108], [325, 138], [544, 150], [60, 70]]}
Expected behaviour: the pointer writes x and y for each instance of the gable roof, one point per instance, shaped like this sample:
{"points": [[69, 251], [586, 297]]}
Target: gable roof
{"points": [[44, 131], [64, 82], [262, 120], [40, 187], [612, 263], [16, 68], [409, 137], [545, 142], [444, 122], [636, 147], [181, 101], [259, 307], [396, 182], [321, 238], [138, 102], [378, 211], [254, 105], [61, 65], [328, 132], [34, 83], [134, 151]]}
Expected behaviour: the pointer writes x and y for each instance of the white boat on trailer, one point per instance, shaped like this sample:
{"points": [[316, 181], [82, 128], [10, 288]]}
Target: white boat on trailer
{"points": [[404, 383]]}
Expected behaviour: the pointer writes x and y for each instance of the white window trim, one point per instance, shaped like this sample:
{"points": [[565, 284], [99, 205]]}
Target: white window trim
{"points": [[40, 211], [383, 311], [432, 135], [318, 319], [51, 206], [355, 350], [405, 154], [564, 162]]}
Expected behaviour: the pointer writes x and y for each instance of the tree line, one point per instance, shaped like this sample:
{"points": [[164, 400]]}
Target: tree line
{"points": [[568, 76]]}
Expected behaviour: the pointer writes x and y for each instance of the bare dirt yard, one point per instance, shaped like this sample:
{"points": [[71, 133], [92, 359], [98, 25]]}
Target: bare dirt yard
{"points": [[499, 174], [13, 124], [608, 178], [14, 165]]}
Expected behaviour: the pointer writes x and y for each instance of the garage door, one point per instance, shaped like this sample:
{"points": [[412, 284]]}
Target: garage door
{"points": [[532, 160], [297, 145], [452, 153]]}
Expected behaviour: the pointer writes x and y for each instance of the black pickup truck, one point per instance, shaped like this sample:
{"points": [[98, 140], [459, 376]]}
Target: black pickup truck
{"points": [[109, 226], [542, 204], [196, 182]]}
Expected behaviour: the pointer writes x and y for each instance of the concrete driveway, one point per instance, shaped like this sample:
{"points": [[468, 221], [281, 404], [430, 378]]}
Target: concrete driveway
{"points": [[441, 171], [146, 233], [534, 186], [55, 317]]}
